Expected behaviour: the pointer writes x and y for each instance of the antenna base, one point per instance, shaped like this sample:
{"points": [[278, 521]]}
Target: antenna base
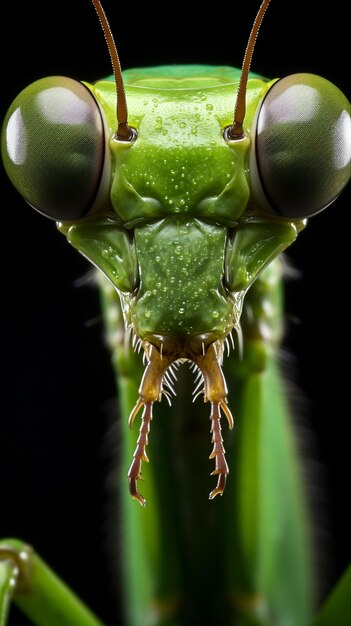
{"points": [[235, 132]]}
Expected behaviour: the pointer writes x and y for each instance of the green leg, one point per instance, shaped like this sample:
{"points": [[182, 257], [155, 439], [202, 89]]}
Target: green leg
{"points": [[8, 575], [270, 573], [148, 560], [37, 591], [336, 610]]}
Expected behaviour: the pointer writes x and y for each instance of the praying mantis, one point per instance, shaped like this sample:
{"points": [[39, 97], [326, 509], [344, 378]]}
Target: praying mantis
{"points": [[84, 266]]}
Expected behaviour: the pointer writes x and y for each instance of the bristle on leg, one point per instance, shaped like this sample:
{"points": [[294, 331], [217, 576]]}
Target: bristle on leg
{"points": [[215, 391], [157, 375], [218, 452], [140, 455], [150, 390]]}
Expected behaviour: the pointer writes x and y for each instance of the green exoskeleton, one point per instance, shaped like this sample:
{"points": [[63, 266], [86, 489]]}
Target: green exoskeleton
{"points": [[185, 209]]}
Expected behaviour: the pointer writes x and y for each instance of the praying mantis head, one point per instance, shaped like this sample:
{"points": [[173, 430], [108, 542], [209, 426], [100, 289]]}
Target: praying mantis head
{"points": [[178, 201]]}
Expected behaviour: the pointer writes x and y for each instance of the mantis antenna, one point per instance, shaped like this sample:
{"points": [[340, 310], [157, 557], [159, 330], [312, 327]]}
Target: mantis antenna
{"points": [[236, 131], [124, 132]]}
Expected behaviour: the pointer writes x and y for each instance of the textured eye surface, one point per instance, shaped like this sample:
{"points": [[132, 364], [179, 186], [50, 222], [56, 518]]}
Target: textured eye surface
{"points": [[53, 147], [302, 146]]}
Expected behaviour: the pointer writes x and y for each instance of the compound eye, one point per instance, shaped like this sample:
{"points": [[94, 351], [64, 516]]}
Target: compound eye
{"points": [[302, 146], [53, 147]]}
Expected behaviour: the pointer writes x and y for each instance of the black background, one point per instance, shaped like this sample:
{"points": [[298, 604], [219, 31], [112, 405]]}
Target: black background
{"points": [[57, 393]]}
